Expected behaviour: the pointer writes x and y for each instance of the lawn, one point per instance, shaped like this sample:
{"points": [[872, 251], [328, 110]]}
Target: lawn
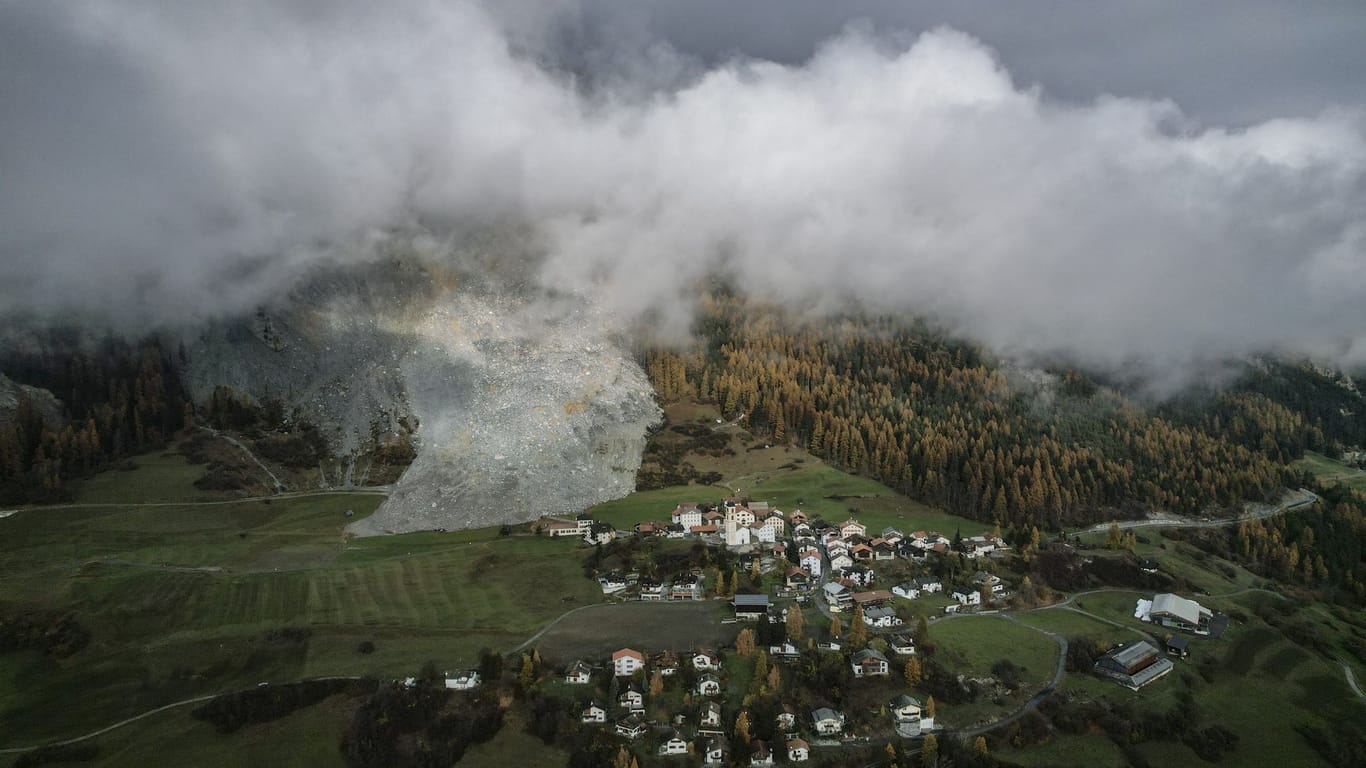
{"points": [[513, 748], [971, 644], [159, 476], [1332, 471], [1070, 751], [1071, 624]]}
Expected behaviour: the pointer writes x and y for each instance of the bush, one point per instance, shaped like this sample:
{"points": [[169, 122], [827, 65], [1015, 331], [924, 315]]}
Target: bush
{"points": [[366, 647]]}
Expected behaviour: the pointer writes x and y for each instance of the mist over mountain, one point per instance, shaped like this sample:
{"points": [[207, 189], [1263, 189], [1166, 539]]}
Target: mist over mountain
{"points": [[171, 164]]}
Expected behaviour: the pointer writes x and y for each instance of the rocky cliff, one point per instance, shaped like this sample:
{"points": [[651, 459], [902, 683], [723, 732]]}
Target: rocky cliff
{"points": [[522, 402]]}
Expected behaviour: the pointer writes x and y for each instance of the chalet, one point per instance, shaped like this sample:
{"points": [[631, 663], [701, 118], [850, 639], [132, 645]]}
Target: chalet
{"points": [[612, 581], [464, 680], [650, 589], [984, 579], [883, 550], [977, 546], [853, 527], [717, 751], [798, 751], [593, 713], [928, 584], [869, 663], [829, 642], [906, 589], [708, 685], [674, 745], [902, 645], [631, 726], [892, 535], [799, 517], [797, 578], [860, 574], [709, 529], [803, 532], [578, 674], [675, 531], [686, 586], [827, 722], [627, 662], [709, 718], [906, 715], [1177, 612], [835, 546], [785, 650], [649, 527], [881, 617], [760, 754], [861, 552], [632, 699], [840, 561], [1133, 666], [705, 660], [667, 663], [786, 719]]}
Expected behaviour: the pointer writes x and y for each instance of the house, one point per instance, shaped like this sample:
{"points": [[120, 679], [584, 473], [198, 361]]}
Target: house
{"points": [[593, 713], [750, 607], [829, 642], [612, 581], [838, 596], [799, 517], [827, 722], [881, 617], [717, 751], [464, 680], [991, 580], [798, 751], [627, 662], [650, 589], [1177, 612], [600, 533], [1178, 646], [667, 664], [906, 715], [928, 584], [687, 515], [860, 574], [797, 578], [869, 663], [810, 559], [631, 726], [632, 699], [763, 534], [675, 531], [906, 589], [686, 586], [578, 674], [760, 754], [710, 717], [1133, 666], [841, 561], [785, 650], [901, 645], [708, 685], [861, 552], [649, 527], [674, 745], [883, 549], [1148, 566], [786, 719], [967, 596], [705, 660], [852, 527]]}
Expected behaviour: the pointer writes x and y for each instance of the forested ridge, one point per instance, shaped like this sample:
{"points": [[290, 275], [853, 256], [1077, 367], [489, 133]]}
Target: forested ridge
{"points": [[940, 421], [118, 399]]}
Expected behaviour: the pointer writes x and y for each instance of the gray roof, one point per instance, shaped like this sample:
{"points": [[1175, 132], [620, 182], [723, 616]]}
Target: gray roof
{"points": [[866, 654], [905, 701], [751, 601], [826, 713], [1186, 610]]}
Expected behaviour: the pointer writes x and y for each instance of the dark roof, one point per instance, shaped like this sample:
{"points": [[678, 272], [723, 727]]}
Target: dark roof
{"points": [[1178, 642], [751, 601]]}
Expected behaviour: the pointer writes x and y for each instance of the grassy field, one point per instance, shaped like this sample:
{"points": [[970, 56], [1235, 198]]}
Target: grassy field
{"points": [[1071, 624], [1332, 471], [972, 644], [594, 633], [160, 476]]}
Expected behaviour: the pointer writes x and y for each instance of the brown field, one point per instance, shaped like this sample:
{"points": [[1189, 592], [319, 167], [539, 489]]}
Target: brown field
{"points": [[649, 627]]}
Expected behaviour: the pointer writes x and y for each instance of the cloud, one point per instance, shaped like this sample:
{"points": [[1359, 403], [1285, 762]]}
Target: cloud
{"points": [[172, 163]]}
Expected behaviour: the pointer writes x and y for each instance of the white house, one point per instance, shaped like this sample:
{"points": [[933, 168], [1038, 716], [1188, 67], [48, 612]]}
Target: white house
{"points": [[593, 713], [906, 589], [827, 722], [710, 716], [810, 559], [632, 726], [901, 645], [928, 584], [464, 680], [626, 662], [632, 699], [687, 515], [841, 561], [704, 659], [708, 685], [674, 745], [716, 752], [853, 527], [613, 581], [578, 674], [760, 755], [787, 719], [869, 663], [798, 751], [967, 597]]}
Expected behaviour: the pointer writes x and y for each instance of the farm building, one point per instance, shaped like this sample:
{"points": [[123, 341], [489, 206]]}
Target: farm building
{"points": [[1133, 666]]}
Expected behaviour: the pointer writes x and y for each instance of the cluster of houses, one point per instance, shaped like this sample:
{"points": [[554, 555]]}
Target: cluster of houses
{"points": [[627, 715]]}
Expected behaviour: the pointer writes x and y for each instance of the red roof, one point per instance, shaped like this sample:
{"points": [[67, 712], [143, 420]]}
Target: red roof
{"points": [[628, 653]]}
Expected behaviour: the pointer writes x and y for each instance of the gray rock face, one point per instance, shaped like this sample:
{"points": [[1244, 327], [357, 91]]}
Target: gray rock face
{"points": [[47, 404], [524, 404]]}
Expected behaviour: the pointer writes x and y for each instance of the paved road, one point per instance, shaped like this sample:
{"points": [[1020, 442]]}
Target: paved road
{"points": [[1305, 498], [149, 713]]}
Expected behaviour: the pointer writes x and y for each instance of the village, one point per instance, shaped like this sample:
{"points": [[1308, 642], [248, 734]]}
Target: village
{"points": [[780, 573]]}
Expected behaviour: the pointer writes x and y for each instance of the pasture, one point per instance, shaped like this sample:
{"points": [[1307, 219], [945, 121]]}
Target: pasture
{"points": [[594, 633]]}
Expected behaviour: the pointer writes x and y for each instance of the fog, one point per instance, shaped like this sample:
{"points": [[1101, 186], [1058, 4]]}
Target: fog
{"points": [[165, 164]]}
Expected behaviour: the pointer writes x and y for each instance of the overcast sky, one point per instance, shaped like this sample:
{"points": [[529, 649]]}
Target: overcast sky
{"points": [[1156, 185]]}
